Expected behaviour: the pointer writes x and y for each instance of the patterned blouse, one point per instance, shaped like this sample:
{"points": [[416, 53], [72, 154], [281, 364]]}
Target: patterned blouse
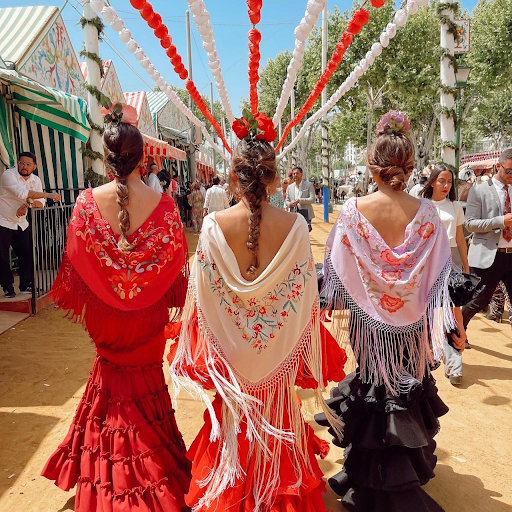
{"points": [[277, 200]]}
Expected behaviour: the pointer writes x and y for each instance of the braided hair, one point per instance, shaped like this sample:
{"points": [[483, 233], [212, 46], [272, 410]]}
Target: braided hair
{"points": [[254, 165], [123, 151]]}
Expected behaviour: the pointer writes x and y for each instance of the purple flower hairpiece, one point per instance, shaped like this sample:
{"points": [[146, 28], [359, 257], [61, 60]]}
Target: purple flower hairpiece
{"points": [[393, 122]]}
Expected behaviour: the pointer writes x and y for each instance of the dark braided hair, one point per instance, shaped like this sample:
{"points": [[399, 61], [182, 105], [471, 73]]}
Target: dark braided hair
{"points": [[254, 165], [123, 151]]}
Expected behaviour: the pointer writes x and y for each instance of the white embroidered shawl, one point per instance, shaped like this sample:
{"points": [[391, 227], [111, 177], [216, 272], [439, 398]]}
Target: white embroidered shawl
{"points": [[253, 337], [394, 295]]}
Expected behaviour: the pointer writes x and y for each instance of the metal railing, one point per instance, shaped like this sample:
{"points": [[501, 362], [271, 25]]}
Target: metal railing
{"points": [[49, 227]]}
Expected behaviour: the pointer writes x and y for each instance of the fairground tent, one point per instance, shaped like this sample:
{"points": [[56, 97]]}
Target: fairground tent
{"points": [[42, 107]]}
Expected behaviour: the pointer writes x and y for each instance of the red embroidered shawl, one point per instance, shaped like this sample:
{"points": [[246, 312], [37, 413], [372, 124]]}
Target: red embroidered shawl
{"points": [[122, 299]]}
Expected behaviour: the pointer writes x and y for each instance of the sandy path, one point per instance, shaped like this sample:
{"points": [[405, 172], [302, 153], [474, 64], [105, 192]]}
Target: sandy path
{"points": [[46, 359]]}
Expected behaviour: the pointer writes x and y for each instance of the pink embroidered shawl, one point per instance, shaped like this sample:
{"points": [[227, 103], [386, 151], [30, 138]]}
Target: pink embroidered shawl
{"points": [[398, 297]]}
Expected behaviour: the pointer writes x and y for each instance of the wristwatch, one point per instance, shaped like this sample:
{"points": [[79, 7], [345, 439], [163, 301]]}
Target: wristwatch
{"points": [[30, 201]]}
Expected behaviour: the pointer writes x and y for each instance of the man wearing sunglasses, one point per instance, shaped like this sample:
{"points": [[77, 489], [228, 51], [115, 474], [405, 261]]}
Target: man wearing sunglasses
{"points": [[489, 218], [19, 190]]}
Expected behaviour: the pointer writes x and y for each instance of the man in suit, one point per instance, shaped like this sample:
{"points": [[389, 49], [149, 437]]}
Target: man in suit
{"points": [[300, 196], [489, 217]]}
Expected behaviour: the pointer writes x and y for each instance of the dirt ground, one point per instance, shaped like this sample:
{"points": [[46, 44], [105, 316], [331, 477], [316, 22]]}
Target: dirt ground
{"points": [[45, 362]]}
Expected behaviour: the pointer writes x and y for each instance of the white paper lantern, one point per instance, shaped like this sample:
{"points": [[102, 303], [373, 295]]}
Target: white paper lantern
{"points": [[108, 14], [204, 30], [216, 72], [161, 82], [384, 40], [132, 46], [97, 5], [208, 38], [376, 49], [125, 35], [391, 30], [412, 7], [300, 34], [213, 56], [202, 19], [314, 7], [369, 57], [300, 46], [400, 17], [139, 54], [209, 47], [150, 69], [155, 75], [197, 7], [117, 24], [422, 3], [311, 19], [145, 62]]}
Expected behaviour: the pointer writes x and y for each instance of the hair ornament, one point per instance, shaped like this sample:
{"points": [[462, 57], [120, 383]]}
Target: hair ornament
{"points": [[254, 127], [394, 122], [114, 113]]}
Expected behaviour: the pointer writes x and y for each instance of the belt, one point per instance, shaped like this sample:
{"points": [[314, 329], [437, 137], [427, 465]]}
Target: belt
{"points": [[508, 250]]}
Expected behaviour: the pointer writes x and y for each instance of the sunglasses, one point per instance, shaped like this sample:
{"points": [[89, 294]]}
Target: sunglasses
{"points": [[508, 170]]}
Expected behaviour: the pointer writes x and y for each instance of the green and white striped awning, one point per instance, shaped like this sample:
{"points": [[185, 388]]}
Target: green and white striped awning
{"points": [[22, 28], [47, 106]]}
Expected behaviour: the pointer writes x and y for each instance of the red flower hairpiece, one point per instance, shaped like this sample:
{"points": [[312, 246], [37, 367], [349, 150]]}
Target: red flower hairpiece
{"points": [[115, 113], [258, 126]]}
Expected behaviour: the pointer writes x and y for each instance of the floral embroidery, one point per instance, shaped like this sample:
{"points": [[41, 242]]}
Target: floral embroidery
{"points": [[363, 230], [391, 304], [426, 230], [259, 320], [345, 241], [155, 246], [388, 256], [391, 276]]}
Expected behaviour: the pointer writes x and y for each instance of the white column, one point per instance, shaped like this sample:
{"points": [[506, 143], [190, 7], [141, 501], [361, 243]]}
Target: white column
{"points": [[94, 79], [292, 115], [447, 100], [325, 149]]}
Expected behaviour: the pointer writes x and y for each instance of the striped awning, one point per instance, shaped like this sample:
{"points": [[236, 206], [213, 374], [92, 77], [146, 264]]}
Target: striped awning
{"points": [[157, 101], [22, 28], [159, 149], [62, 111], [136, 100]]}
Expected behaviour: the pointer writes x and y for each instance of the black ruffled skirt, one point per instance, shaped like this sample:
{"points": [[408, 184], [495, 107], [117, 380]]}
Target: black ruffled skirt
{"points": [[389, 445]]}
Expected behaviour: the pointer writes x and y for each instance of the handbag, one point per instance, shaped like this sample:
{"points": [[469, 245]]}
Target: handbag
{"points": [[462, 287]]}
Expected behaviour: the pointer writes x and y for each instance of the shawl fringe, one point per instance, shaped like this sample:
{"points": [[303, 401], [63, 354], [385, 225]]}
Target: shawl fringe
{"points": [[269, 408], [109, 327], [395, 356]]}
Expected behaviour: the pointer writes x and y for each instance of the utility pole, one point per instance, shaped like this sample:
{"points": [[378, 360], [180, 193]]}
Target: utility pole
{"points": [[325, 152], [192, 148], [213, 131]]}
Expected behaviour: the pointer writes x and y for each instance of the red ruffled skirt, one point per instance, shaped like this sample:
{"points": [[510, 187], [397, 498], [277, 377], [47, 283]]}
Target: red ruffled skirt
{"points": [[123, 450], [307, 498]]}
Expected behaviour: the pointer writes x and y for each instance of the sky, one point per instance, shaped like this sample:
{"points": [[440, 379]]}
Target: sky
{"points": [[230, 24]]}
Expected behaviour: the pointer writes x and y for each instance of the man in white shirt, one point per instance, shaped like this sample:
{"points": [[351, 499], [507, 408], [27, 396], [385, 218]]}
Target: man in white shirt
{"points": [[19, 190], [489, 217], [153, 181], [417, 189], [300, 196], [216, 198]]}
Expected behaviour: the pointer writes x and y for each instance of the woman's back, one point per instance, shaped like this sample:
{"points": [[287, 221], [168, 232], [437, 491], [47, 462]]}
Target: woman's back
{"points": [[389, 215], [274, 227]]}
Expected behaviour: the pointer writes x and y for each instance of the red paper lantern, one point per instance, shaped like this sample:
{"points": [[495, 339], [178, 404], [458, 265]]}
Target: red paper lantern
{"points": [[353, 27], [176, 60], [166, 42], [179, 68], [255, 5], [254, 36], [138, 4], [378, 3], [361, 17], [332, 66], [161, 31], [183, 75], [147, 11], [155, 21], [346, 39], [189, 85], [254, 16], [171, 51]]}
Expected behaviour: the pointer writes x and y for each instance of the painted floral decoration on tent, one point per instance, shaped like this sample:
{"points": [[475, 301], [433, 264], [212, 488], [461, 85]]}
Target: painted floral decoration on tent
{"points": [[394, 122], [258, 126]]}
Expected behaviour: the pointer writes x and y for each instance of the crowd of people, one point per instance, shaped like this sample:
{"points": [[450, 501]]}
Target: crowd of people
{"points": [[247, 320]]}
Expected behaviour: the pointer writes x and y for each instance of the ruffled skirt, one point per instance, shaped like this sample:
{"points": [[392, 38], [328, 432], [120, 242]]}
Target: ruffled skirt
{"points": [[123, 450], [239, 498], [389, 445]]}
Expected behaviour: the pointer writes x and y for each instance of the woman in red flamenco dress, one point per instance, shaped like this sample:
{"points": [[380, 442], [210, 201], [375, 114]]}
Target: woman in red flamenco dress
{"points": [[253, 335], [124, 266]]}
